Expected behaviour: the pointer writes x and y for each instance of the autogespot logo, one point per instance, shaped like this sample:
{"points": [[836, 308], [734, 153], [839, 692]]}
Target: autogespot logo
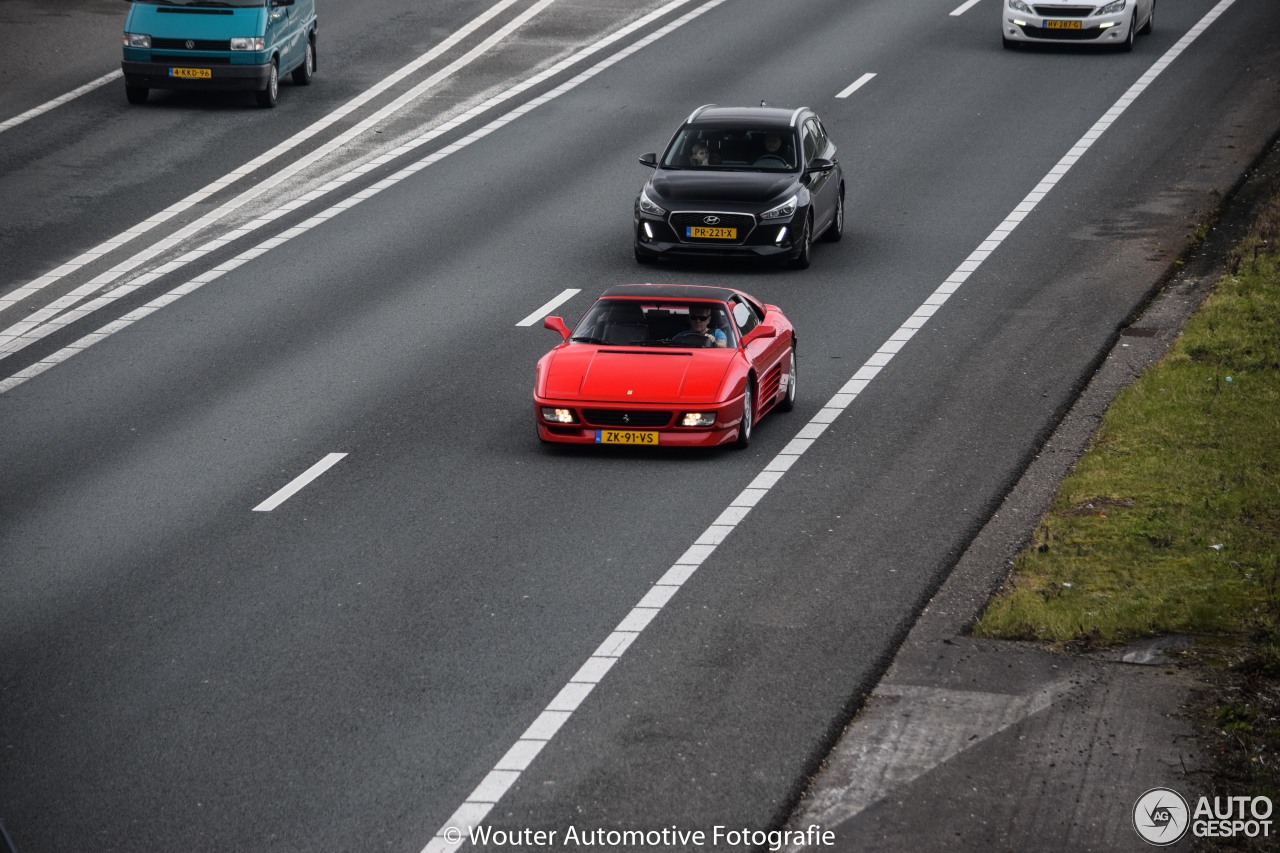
{"points": [[1161, 817]]}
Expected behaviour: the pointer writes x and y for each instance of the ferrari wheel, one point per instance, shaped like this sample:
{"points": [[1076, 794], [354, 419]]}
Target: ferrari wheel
{"points": [[789, 400], [748, 417]]}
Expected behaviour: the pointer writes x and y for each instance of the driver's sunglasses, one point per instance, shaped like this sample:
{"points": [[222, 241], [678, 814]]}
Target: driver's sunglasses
{"points": [[701, 318]]}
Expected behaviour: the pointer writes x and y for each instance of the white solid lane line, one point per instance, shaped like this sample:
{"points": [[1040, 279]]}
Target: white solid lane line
{"points": [[469, 816], [299, 482], [59, 101], [537, 316], [856, 85], [964, 7]]}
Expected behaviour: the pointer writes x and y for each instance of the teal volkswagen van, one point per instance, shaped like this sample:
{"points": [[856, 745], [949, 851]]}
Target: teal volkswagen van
{"points": [[237, 45]]}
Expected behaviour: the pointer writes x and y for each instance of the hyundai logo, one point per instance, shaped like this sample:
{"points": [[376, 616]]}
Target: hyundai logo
{"points": [[711, 220], [191, 45]]}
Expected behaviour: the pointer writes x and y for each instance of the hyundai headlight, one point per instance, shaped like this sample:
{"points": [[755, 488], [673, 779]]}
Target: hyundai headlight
{"points": [[647, 205], [787, 208]]}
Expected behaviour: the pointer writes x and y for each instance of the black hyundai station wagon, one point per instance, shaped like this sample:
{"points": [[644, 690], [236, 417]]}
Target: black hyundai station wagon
{"points": [[742, 182]]}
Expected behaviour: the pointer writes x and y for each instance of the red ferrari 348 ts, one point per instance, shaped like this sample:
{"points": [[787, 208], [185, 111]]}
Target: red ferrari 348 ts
{"points": [[666, 364]]}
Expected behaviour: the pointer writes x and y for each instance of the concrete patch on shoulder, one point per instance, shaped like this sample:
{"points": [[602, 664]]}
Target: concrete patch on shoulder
{"points": [[905, 732]]}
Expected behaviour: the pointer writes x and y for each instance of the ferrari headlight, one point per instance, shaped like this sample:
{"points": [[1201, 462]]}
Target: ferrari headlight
{"points": [[647, 205], [558, 416], [698, 419], [1112, 8], [1019, 6], [137, 40], [249, 43], [787, 208]]}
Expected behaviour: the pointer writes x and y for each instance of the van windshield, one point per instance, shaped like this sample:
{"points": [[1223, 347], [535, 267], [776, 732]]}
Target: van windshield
{"points": [[238, 4]]}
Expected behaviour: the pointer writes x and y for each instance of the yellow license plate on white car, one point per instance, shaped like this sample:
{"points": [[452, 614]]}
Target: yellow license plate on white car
{"points": [[1062, 25], [701, 233], [626, 436], [192, 73]]}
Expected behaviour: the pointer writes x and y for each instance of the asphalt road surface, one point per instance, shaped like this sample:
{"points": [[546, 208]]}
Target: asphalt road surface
{"points": [[449, 625]]}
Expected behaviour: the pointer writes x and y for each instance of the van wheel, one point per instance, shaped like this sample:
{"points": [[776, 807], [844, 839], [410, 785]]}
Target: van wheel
{"points": [[136, 94], [270, 95], [303, 73]]}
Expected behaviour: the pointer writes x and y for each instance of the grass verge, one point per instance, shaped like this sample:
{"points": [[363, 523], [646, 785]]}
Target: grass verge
{"points": [[1170, 521]]}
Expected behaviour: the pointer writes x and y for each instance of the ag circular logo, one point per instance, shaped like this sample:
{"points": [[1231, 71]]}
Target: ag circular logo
{"points": [[1161, 816]]}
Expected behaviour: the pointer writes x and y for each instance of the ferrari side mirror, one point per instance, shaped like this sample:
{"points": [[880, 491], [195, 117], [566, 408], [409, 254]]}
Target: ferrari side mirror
{"points": [[556, 324]]}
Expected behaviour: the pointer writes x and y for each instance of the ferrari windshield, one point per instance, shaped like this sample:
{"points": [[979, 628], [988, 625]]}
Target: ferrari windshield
{"points": [[638, 323], [766, 149]]}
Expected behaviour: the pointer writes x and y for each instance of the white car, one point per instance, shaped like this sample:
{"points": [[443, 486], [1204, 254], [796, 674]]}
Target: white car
{"points": [[1110, 24]]}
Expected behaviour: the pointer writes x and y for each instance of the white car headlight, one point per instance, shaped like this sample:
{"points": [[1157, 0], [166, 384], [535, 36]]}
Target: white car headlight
{"points": [[647, 205], [249, 43], [137, 40], [1112, 8], [787, 208], [1019, 6]]}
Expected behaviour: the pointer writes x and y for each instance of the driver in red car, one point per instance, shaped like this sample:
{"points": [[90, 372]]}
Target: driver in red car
{"points": [[699, 318]]}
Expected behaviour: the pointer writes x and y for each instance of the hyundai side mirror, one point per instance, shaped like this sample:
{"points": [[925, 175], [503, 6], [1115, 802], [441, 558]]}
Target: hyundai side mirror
{"points": [[650, 160]]}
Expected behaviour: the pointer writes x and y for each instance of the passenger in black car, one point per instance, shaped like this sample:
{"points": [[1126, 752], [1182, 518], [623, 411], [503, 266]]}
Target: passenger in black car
{"points": [[700, 156]]}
